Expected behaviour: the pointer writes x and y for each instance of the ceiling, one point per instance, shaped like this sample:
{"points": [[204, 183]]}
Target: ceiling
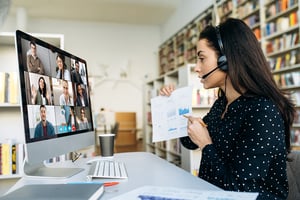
{"points": [[146, 12]]}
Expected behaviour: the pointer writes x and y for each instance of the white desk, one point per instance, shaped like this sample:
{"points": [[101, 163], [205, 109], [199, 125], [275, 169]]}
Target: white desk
{"points": [[143, 169]]}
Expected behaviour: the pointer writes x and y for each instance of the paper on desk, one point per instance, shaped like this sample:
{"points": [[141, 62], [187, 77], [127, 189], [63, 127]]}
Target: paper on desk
{"points": [[173, 193], [167, 114]]}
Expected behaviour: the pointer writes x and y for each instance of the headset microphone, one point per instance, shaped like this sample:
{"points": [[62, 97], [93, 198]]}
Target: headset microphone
{"points": [[209, 73]]}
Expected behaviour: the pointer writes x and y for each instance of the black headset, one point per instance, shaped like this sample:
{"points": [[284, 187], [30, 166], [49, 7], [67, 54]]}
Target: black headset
{"points": [[222, 60]]}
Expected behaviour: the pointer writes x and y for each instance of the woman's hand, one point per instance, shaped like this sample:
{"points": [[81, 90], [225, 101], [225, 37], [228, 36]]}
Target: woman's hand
{"points": [[198, 132], [167, 90]]}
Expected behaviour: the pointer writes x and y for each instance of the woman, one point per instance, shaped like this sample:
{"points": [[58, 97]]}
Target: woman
{"points": [[247, 138], [72, 120], [82, 120], [81, 98], [61, 70], [65, 98], [40, 96]]}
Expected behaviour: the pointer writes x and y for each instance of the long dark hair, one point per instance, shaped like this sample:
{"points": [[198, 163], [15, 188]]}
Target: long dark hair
{"points": [[44, 90], [62, 57], [248, 68]]}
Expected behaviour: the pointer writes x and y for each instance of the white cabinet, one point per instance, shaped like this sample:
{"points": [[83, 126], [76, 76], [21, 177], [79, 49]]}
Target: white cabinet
{"points": [[172, 150], [169, 150]]}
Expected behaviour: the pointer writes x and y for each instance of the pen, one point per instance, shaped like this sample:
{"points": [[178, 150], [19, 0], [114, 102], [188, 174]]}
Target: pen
{"points": [[201, 122], [107, 184]]}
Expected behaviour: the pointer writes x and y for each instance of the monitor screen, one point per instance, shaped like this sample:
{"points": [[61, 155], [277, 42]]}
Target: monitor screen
{"points": [[56, 105]]}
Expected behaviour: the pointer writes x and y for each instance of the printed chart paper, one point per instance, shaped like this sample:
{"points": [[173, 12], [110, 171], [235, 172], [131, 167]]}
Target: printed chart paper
{"points": [[173, 193], [167, 114]]}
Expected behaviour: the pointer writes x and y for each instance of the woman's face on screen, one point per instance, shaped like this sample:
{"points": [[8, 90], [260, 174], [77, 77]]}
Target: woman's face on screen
{"points": [[59, 63], [65, 88], [41, 83]]}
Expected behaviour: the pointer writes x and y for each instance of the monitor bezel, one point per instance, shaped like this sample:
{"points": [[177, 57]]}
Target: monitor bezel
{"points": [[39, 150]]}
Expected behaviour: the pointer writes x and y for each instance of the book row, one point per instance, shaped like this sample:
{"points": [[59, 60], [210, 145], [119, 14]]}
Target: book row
{"points": [[285, 61], [172, 146], [281, 24], [288, 79], [11, 158], [281, 43], [279, 6]]}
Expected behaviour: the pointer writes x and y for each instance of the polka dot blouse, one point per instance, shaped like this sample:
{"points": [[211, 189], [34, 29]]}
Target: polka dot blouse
{"points": [[248, 151]]}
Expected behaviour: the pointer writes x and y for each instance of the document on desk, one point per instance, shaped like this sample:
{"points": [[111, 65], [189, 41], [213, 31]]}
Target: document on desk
{"points": [[173, 193], [167, 114]]}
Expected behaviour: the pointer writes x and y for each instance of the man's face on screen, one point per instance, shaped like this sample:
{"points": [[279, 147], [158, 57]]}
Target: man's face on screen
{"points": [[33, 50], [77, 67], [43, 114]]}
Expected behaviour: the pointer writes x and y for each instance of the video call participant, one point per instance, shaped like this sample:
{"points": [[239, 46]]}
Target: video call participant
{"points": [[40, 96], [82, 120], [61, 70], [72, 120], [65, 98], [44, 128], [247, 137], [76, 77], [81, 97], [34, 64]]}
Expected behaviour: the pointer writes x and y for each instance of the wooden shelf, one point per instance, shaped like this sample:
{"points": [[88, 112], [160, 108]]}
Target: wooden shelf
{"points": [[255, 15]]}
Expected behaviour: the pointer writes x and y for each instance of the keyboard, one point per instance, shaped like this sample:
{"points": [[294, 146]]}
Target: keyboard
{"points": [[107, 169]]}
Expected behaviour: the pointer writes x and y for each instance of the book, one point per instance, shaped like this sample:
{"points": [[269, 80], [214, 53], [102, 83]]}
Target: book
{"points": [[78, 191], [13, 88], [293, 18], [6, 158], [13, 158], [20, 158], [6, 89]]}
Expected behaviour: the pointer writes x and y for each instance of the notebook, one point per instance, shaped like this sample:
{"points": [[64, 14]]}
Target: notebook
{"points": [[76, 191]]}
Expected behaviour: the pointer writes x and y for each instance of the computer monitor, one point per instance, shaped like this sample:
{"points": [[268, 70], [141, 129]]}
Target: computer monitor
{"points": [[56, 105]]}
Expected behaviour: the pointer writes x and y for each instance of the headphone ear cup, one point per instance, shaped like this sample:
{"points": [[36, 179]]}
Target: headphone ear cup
{"points": [[222, 63]]}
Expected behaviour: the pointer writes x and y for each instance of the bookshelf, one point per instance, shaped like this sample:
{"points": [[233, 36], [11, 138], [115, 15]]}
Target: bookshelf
{"points": [[169, 150], [180, 49], [172, 150], [249, 12], [11, 159], [175, 56], [276, 26], [225, 9], [281, 46], [167, 56], [10, 110]]}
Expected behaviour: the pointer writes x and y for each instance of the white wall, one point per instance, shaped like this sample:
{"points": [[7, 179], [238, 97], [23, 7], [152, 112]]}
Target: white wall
{"points": [[114, 46], [111, 45]]}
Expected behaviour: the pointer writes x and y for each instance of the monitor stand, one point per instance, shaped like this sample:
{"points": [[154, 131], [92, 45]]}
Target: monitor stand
{"points": [[41, 170]]}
